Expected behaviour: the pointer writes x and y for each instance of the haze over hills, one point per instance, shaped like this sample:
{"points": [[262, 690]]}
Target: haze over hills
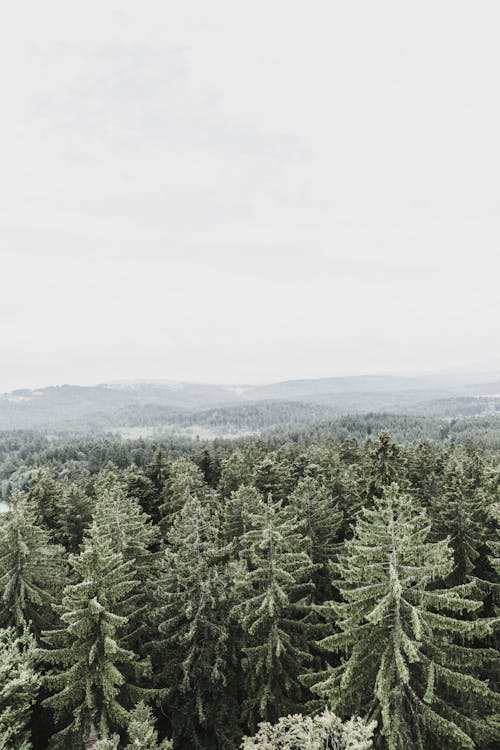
{"points": [[228, 409]]}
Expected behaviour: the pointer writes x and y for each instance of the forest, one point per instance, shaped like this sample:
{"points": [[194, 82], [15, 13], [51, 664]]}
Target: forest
{"points": [[333, 587]]}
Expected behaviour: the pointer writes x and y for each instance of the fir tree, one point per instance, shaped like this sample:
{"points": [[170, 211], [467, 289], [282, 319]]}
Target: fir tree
{"points": [[89, 684], [185, 482], [192, 595], [46, 493], [75, 515], [299, 732], [141, 730], [19, 685], [272, 609], [409, 645], [240, 511], [32, 570], [386, 465], [458, 513], [321, 519]]}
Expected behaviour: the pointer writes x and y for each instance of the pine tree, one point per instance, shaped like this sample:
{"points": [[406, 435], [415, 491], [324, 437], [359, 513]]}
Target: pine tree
{"points": [[240, 510], [458, 512], [299, 732], [130, 532], [142, 732], [193, 622], [321, 520], [19, 685], [75, 515], [89, 684], [410, 657], [139, 486], [386, 465], [185, 482], [273, 597], [46, 493], [32, 570]]}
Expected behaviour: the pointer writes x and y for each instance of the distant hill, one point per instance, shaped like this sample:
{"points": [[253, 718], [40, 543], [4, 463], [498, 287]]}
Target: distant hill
{"points": [[228, 409]]}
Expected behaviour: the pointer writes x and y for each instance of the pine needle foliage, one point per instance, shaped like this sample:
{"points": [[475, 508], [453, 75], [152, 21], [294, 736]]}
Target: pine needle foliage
{"points": [[19, 685], [408, 644], [90, 663], [184, 483], [315, 508], [273, 592], [142, 732], [297, 732], [458, 513], [32, 570], [193, 624]]}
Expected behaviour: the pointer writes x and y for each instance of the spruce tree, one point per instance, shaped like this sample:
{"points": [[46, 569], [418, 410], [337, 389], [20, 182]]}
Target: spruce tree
{"points": [[321, 519], [141, 730], [410, 659], [273, 591], [19, 685], [75, 515], [89, 686], [240, 511], [32, 570], [320, 732], [45, 492], [458, 512], [193, 623], [185, 482]]}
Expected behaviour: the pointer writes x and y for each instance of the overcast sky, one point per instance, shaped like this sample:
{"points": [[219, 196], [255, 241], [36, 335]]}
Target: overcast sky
{"points": [[247, 191]]}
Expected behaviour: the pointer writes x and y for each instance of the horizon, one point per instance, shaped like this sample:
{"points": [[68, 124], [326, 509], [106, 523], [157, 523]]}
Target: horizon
{"points": [[451, 374], [283, 216]]}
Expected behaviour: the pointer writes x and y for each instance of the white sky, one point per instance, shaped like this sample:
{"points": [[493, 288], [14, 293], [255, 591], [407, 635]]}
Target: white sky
{"points": [[246, 191]]}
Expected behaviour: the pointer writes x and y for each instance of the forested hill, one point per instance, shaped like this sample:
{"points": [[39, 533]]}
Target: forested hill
{"points": [[175, 597], [219, 410]]}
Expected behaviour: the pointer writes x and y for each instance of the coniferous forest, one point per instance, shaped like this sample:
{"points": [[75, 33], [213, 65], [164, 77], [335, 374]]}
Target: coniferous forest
{"points": [[264, 594]]}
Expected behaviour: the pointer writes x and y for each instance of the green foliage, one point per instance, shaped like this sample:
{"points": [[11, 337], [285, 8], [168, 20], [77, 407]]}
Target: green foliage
{"points": [[74, 516], [32, 570], [142, 732], [45, 492], [88, 684], [458, 513], [272, 589], [184, 483], [193, 620], [321, 519], [297, 732], [225, 607], [409, 645], [19, 685]]}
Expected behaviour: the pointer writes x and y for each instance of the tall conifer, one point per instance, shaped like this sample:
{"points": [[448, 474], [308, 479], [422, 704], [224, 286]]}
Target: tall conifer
{"points": [[410, 661]]}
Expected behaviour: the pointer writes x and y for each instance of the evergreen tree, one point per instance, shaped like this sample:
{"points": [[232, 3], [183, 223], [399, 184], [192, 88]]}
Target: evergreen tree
{"points": [[46, 493], [185, 482], [321, 520], [299, 732], [240, 511], [19, 685], [458, 513], [386, 464], [90, 690], [409, 645], [130, 532], [142, 732], [273, 597], [32, 570], [75, 515], [193, 622], [139, 486]]}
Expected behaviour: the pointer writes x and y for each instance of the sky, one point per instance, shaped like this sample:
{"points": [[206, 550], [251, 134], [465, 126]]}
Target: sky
{"points": [[246, 192]]}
